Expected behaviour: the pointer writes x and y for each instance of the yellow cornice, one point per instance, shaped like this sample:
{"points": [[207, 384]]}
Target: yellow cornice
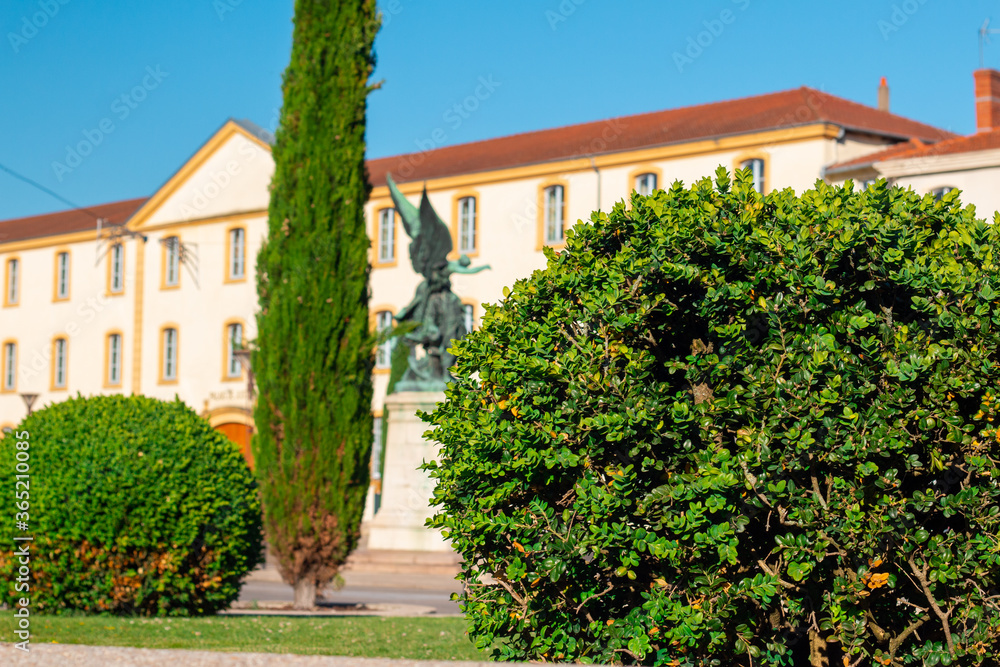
{"points": [[176, 181], [49, 241], [623, 158], [229, 217]]}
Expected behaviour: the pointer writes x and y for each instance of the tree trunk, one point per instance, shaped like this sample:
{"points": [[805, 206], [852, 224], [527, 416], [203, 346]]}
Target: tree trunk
{"points": [[305, 594]]}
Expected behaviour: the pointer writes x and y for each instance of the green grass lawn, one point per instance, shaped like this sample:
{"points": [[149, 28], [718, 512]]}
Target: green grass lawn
{"points": [[412, 638]]}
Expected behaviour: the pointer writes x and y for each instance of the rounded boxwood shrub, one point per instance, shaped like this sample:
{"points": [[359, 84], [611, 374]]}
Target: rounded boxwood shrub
{"points": [[727, 429], [137, 506]]}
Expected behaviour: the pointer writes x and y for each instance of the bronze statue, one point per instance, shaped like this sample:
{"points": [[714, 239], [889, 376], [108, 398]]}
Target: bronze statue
{"points": [[435, 309]]}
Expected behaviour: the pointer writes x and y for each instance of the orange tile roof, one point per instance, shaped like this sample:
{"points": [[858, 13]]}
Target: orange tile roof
{"points": [[65, 222], [981, 141], [790, 108]]}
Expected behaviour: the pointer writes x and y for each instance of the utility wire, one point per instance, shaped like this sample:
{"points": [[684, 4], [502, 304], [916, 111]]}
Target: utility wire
{"points": [[44, 189]]}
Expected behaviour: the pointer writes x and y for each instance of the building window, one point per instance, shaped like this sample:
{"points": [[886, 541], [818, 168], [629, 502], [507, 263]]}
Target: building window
{"points": [[62, 276], [469, 316], [114, 376], [169, 365], [756, 167], [116, 280], [554, 206], [866, 183], [59, 363], [234, 342], [383, 324], [645, 184], [237, 253], [171, 261], [9, 366], [13, 288], [387, 235], [467, 224], [942, 191]]}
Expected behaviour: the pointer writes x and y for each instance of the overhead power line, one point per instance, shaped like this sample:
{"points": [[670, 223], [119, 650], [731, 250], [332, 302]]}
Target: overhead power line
{"points": [[36, 184]]}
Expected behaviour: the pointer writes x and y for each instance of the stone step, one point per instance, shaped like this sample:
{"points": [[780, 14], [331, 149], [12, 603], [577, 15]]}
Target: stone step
{"points": [[404, 562]]}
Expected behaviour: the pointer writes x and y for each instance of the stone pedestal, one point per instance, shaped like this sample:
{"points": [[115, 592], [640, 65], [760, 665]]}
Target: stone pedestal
{"points": [[406, 490]]}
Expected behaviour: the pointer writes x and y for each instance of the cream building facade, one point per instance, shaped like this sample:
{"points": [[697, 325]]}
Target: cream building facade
{"points": [[970, 164], [155, 298]]}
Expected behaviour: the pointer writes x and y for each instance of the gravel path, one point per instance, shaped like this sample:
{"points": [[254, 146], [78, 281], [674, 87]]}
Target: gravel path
{"points": [[68, 655]]}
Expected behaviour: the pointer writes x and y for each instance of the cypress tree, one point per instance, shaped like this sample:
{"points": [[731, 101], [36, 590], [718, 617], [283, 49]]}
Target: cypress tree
{"points": [[315, 349]]}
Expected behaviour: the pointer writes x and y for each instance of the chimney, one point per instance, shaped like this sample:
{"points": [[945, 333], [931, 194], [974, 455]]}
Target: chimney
{"points": [[987, 99], [883, 95]]}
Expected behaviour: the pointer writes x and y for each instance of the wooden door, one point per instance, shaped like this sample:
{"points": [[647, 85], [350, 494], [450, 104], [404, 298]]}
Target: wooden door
{"points": [[240, 434]]}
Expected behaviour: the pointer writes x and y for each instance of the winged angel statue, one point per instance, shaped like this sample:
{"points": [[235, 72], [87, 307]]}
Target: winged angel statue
{"points": [[436, 311]]}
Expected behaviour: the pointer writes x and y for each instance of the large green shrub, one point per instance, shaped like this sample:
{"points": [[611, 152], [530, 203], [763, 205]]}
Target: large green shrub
{"points": [[726, 429], [137, 506]]}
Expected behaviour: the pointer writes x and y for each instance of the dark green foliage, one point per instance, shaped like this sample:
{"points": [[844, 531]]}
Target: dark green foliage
{"points": [[721, 429], [136, 506], [315, 355]]}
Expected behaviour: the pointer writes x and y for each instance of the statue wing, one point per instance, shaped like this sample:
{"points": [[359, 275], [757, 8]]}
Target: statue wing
{"points": [[407, 211], [429, 249]]}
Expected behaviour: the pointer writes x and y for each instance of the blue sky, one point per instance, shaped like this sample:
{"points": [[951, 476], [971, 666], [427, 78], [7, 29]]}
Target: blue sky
{"points": [[163, 76]]}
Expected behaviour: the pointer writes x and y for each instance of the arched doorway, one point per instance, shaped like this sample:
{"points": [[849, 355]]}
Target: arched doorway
{"points": [[240, 434], [237, 425]]}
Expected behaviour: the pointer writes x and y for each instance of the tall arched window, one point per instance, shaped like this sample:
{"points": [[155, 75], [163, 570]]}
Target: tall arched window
{"points": [[116, 269], [383, 324], [645, 183], [62, 276], [9, 366], [171, 261], [234, 342], [60, 350], [12, 288], [113, 365], [237, 254], [554, 214], [168, 361], [467, 232], [756, 167], [386, 235]]}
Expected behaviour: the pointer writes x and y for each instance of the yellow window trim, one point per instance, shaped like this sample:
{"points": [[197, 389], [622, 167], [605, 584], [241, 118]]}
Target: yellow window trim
{"points": [[7, 303], [377, 208], [52, 374], [373, 312], [107, 359], [456, 198], [226, 377], [163, 263], [755, 155], [3, 365], [646, 169], [227, 277], [177, 355], [110, 262], [542, 187], [55, 275]]}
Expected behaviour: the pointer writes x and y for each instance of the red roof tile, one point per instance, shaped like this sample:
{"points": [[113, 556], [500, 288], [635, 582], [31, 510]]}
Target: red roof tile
{"points": [[790, 108], [981, 141], [65, 222]]}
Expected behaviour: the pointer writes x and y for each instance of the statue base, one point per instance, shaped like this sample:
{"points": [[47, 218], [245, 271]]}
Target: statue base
{"points": [[406, 491]]}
